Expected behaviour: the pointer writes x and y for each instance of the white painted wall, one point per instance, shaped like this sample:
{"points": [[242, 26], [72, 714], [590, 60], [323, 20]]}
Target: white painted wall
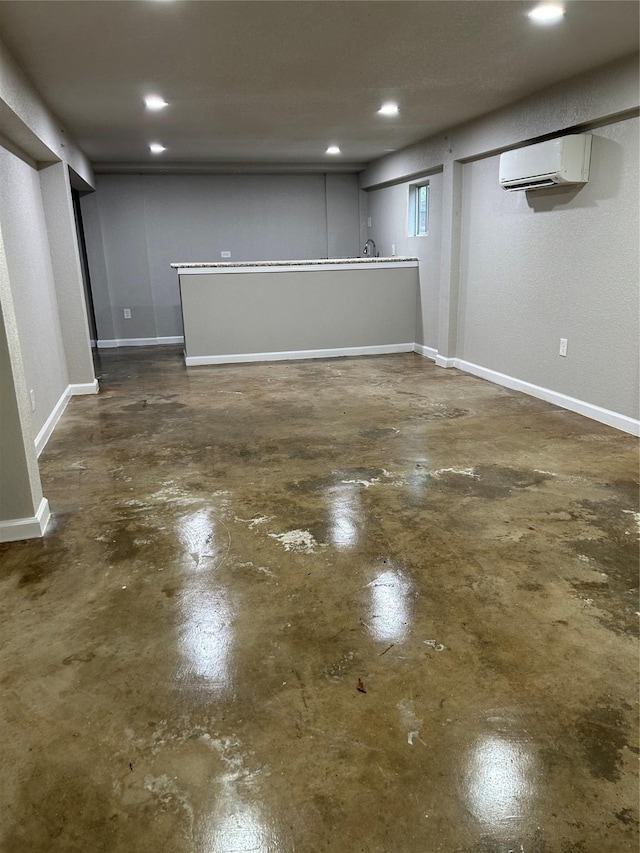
{"points": [[136, 225]]}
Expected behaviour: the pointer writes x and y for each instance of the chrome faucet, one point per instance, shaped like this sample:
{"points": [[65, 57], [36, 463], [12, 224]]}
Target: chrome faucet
{"points": [[370, 249]]}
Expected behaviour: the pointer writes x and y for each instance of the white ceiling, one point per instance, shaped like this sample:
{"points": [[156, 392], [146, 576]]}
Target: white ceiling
{"points": [[276, 82]]}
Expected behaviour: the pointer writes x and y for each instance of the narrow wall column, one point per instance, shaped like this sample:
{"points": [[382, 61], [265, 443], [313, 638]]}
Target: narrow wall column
{"points": [[67, 274], [24, 512], [450, 262], [343, 213]]}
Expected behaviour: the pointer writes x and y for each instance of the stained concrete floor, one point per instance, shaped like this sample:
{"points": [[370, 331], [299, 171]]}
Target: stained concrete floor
{"points": [[351, 605]]}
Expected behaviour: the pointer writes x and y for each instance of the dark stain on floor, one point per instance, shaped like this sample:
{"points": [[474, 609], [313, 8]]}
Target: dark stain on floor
{"points": [[603, 732], [232, 560]]}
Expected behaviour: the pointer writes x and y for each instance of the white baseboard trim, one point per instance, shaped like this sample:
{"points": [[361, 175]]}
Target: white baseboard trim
{"points": [[83, 388], [50, 424], [441, 361], [338, 352], [427, 352], [26, 528], [139, 342], [589, 410]]}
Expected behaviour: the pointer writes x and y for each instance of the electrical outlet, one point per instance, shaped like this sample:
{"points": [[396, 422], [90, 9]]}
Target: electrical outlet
{"points": [[32, 394], [563, 346], [127, 313], [225, 254], [393, 250]]}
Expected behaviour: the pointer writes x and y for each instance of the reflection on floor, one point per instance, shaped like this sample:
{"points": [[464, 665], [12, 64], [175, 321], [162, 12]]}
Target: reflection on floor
{"points": [[351, 605]]}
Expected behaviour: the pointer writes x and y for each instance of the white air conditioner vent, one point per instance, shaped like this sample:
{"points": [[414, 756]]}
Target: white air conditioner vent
{"points": [[557, 162]]}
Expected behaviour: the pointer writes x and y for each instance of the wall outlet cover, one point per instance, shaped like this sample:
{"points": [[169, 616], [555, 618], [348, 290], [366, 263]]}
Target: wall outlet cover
{"points": [[563, 346], [225, 254], [127, 313]]}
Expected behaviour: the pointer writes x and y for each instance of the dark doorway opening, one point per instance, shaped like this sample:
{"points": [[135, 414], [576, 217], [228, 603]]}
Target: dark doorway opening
{"points": [[84, 265]]}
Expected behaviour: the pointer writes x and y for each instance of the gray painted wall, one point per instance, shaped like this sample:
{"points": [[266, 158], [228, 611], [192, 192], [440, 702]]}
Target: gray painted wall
{"points": [[32, 284], [136, 225], [97, 265], [388, 209], [558, 263], [343, 224], [30, 126], [16, 499], [608, 91], [518, 271], [20, 487], [274, 311], [32, 354], [67, 273]]}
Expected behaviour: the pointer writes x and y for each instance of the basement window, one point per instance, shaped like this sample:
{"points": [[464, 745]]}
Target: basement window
{"points": [[419, 210]]}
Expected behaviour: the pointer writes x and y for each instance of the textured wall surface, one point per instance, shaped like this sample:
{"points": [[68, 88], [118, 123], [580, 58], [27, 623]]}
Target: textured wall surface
{"points": [[30, 125], [343, 227], [145, 222], [388, 209], [15, 494], [121, 209], [32, 284], [298, 310], [606, 91], [20, 488], [67, 274], [99, 281], [557, 263], [32, 350], [518, 271]]}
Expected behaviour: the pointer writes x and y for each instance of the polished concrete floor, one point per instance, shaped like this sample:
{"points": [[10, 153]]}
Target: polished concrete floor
{"points": [[350, 605]]}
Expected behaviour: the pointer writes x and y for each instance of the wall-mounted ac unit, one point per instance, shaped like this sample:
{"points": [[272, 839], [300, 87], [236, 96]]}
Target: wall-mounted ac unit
{"points": [[547, 164]]}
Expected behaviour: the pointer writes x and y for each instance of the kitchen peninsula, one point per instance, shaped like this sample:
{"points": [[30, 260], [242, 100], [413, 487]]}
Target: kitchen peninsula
{"points": [[274, 310]]}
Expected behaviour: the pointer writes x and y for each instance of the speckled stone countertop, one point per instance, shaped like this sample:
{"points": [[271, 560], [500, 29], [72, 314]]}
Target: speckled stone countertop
{"points": [[314, 262]]}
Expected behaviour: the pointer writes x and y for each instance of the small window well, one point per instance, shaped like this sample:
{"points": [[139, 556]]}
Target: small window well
{"points": [[418, 210]]}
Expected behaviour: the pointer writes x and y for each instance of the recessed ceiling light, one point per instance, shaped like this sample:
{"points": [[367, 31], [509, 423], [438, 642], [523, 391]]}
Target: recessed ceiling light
{"points": [[547, 13], [155, 102], [333, 149], [389, 109], [156, 148]]}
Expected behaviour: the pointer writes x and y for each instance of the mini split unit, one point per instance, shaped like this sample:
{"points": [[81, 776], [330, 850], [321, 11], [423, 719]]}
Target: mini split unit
{"points": [[557, 162]]}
